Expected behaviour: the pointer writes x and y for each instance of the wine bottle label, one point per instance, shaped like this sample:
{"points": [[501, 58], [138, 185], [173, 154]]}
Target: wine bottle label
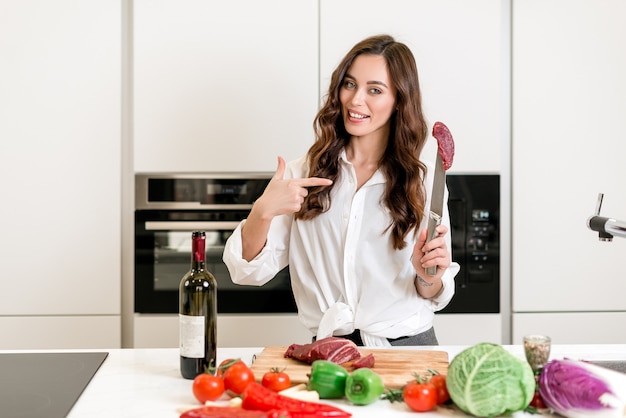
{"points": [[191, 336]]}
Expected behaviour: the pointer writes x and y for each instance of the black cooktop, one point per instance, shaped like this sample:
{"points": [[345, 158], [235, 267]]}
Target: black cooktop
{"points": [[35, 385]]}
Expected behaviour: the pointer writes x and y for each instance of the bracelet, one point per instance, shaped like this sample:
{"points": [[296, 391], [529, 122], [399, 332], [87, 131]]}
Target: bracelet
{"points": [[423, 282]]}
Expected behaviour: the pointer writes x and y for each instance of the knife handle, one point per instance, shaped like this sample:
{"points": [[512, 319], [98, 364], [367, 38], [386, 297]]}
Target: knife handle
{"points": [[433, 221]]}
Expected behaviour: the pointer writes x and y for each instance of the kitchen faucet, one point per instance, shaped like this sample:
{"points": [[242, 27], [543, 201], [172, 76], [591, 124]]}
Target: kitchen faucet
{"points": [[607, 228]]}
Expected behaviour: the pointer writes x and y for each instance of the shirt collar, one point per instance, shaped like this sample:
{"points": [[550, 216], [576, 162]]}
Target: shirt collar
{"points": [[377, 178]]}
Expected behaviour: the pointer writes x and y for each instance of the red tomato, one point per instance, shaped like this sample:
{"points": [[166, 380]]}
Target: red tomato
{"points": [[225, 365], [420, 397], [237, 377], [439, 382], [207, 387], [276, 380], [537, 401]]}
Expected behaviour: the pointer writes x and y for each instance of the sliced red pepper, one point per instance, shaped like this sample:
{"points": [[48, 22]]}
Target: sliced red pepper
{"points": [[259, 398], [228, 412]]}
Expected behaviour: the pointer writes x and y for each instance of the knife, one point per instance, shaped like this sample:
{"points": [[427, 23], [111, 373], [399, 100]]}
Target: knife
{"points": [[445, 154]]}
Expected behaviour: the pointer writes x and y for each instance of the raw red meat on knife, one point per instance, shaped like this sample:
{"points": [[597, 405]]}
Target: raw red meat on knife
{"points": [[445, 143], [336, 349]]}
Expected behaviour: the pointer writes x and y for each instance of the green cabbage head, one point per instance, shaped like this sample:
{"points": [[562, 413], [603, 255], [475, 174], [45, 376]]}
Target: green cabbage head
{"points": [[485, 380]]}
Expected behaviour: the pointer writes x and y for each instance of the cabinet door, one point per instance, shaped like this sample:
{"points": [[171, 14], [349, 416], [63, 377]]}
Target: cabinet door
{"points": [[569, 144], [60, 156], [52, 332], [223, 86], [462, 58], [468, 329], [572, 327]]}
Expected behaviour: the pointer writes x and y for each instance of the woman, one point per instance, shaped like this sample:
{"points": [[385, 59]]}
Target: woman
{"points": [[349, 217]]}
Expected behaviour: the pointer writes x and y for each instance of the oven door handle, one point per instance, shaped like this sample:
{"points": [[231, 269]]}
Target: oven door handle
{"points": [[191, 226]]}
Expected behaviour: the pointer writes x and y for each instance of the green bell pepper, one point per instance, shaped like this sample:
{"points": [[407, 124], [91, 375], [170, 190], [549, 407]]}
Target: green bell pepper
{"points": [[328, 379], [364, 386]]}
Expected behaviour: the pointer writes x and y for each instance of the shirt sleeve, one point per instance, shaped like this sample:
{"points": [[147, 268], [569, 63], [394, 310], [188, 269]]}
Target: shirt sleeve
{"points": [[272, 258], [275, 254], [445, 296]]}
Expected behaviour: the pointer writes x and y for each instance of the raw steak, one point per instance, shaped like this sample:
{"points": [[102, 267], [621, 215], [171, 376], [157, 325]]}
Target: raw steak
{"points": [[445, 143], [367, 361], [336, 349]]}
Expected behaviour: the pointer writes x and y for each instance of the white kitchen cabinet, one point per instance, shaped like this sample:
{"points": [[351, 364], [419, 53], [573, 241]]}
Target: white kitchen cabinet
{"points": [[461, 49], [469, 329], [161, 331], [223, 86], [60, 153], [60, 332], [233, 330], [569, 102], [572, 327], [229, 86]]}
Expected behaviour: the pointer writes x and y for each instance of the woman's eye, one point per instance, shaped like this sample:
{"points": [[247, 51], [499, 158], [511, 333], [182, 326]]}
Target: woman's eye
{"points": [[375, 91], [349, 84]]}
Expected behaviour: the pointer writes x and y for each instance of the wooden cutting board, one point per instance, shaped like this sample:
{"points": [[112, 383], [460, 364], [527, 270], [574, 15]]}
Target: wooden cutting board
{"points": [[396, 367]]}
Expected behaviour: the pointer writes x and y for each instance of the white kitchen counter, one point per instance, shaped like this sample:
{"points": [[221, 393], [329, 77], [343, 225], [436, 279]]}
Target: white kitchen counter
{"points": [[146, 383]]}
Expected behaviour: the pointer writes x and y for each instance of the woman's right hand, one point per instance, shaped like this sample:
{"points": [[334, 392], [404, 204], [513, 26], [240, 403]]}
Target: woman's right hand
{"points": [[283, 196]]}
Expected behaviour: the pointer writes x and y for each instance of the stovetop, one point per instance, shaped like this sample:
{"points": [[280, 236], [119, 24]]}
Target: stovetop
{"points": [[35, 385]]}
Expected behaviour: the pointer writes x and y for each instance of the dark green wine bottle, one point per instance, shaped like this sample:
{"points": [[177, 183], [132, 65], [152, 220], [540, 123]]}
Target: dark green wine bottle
{"points": [[197, 313]]}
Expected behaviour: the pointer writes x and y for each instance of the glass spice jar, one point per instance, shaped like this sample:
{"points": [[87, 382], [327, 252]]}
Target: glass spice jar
{"points": [[537, 351]]}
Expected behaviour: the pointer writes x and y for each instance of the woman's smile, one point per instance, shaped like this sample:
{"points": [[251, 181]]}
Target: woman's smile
{"points": [[357, 116]]}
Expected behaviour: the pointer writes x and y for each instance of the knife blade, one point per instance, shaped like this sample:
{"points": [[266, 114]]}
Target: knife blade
{"points": [[436, 205], [445, 156]]}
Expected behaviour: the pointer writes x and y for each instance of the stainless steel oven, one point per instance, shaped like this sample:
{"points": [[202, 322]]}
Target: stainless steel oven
{"points": [[168, 208]]}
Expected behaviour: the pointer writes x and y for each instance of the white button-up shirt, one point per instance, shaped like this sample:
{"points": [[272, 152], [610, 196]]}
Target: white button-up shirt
{"points": [[345, 274]]}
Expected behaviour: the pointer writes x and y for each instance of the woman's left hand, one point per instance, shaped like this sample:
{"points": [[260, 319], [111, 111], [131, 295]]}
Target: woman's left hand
{"points": [[430, 254]]}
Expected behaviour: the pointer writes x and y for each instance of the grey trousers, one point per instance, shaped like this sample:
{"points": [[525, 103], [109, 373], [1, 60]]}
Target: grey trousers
{"points": [[427, 337]]}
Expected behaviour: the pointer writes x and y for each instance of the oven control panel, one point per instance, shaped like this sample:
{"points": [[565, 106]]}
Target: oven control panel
{"points": [[208, 191]]}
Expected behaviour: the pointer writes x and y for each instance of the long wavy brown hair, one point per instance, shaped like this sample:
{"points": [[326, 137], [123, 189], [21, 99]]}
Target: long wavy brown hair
{"points": [[400, 163]]}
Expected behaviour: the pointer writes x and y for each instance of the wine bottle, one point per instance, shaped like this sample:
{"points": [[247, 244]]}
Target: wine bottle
{"points": [[197, 313]]}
